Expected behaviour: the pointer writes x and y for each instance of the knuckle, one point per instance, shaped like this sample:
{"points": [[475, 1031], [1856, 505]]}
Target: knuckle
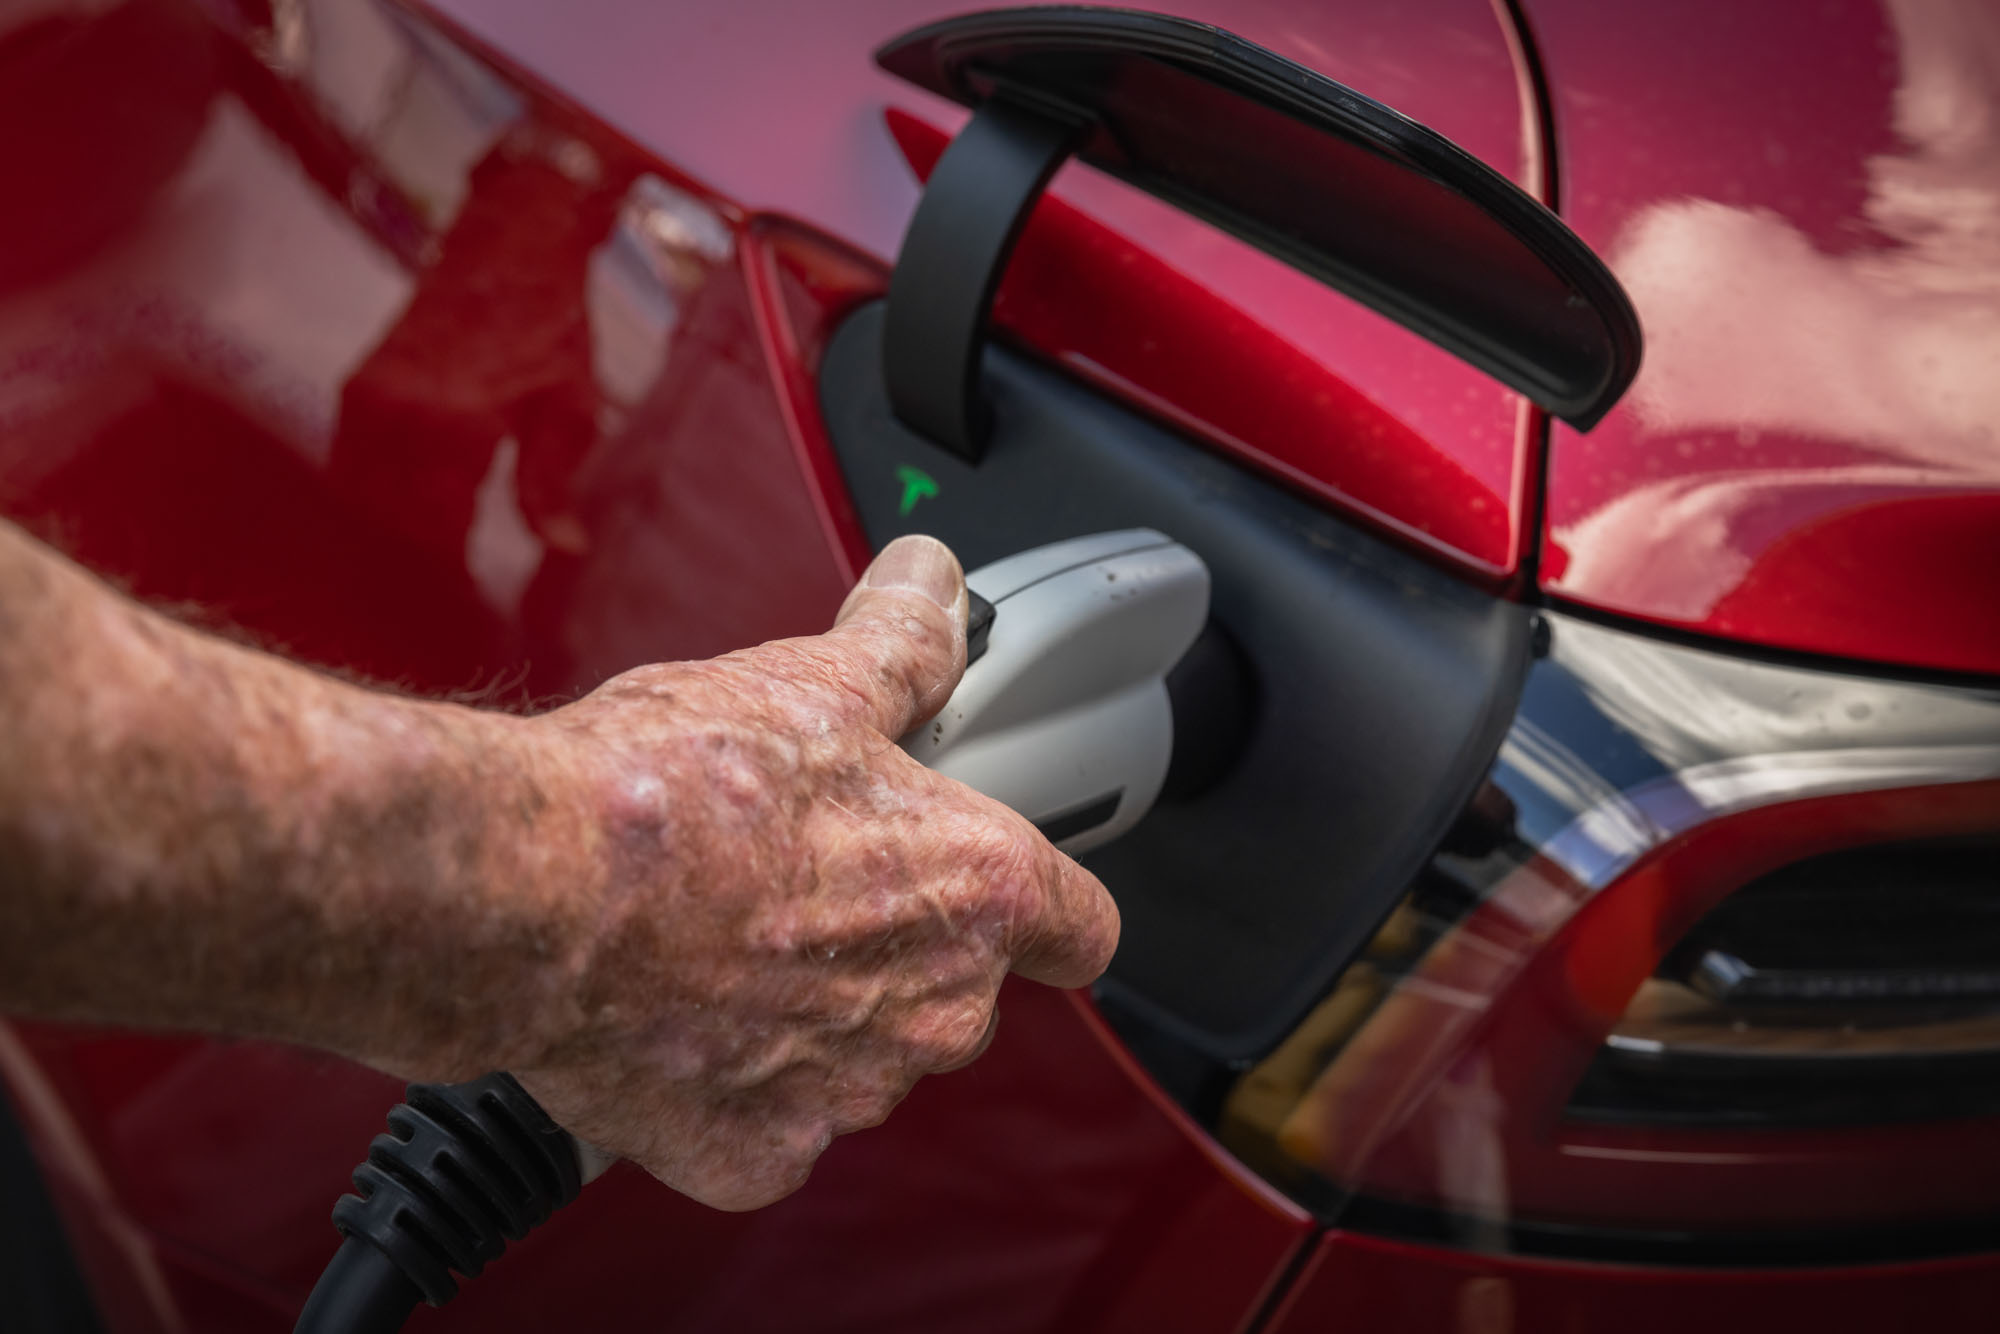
{"points": [[815, 668], [855, 1013], [1014, 896], [1001, 855], [905, 639], [753, 1177], [905, 615], [957, 1038], [848, 673], [869, 1109]]}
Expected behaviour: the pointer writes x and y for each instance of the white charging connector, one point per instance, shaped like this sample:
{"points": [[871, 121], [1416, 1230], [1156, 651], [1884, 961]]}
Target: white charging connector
{"points": [[1065, 717]]}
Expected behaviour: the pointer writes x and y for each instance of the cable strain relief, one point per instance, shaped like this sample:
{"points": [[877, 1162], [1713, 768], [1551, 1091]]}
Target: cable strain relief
{"points": [[464, 1169]]}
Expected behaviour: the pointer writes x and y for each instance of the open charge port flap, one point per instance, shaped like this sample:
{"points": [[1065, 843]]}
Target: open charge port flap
{"points": [[1382, 687]]}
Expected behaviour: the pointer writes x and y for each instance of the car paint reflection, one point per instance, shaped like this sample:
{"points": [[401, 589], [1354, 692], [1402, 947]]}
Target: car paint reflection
{"points": [[1801, 374]]}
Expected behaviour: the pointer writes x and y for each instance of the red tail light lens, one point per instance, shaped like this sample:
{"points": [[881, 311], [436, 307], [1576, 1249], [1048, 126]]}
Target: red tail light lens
{"points": [[1852, 988], [1715, 960]]}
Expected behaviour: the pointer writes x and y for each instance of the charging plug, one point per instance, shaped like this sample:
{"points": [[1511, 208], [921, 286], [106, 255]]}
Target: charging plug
{"points": [[1066, 714]]}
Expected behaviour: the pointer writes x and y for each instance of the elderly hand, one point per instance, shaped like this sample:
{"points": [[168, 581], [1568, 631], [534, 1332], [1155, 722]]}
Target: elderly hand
{"points": [[787, 921], [710, 915]]}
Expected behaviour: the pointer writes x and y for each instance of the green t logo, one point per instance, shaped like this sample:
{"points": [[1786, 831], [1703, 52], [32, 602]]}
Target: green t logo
{"points": [[917, 485]]}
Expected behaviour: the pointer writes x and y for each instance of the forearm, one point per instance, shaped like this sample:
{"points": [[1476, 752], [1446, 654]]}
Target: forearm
{"points": [[711, 914], [197, 835]]}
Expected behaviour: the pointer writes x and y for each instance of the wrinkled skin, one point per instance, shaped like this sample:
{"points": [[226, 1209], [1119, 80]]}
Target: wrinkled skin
{"points": [[797, 921], [710, 914]]}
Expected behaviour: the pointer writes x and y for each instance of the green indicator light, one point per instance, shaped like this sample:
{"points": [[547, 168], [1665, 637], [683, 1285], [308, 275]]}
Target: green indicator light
{"points": [[917, 485]]}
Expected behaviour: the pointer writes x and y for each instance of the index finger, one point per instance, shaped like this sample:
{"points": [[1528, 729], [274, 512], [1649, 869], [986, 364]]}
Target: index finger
{"points": [[1071, 943]]}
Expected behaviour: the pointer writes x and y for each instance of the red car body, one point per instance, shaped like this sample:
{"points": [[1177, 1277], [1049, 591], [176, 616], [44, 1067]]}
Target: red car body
{"points": [[475, 348]]}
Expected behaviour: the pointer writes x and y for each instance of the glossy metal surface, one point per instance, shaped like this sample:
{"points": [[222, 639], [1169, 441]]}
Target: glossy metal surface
{"points": [[1803, 202], [387, 373], [1193, 325], [389, 360]]}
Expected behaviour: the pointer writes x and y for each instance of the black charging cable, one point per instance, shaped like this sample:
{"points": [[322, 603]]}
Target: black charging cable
{"points": [[463, 1170]]}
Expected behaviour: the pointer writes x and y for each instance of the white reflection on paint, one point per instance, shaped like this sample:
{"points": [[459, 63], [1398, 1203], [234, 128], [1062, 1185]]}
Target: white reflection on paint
{"points": [[1733, 736], [1596, 850], [1750, 327], [663, 248]]}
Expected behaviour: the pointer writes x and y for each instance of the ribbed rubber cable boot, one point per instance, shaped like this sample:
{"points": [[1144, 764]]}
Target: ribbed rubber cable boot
{"points": [[464, 1169]]}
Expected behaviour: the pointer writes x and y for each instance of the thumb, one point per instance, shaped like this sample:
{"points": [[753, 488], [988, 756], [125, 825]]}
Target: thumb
{"points": [[901, 633]]}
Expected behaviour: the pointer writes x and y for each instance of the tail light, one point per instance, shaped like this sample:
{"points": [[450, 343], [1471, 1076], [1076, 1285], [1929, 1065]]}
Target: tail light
{"points": [[1711, 965], [1853, 988]]}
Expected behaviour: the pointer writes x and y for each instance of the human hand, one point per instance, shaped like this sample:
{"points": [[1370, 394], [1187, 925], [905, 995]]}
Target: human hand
{"points": [[711, 915], [783, 921]]}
